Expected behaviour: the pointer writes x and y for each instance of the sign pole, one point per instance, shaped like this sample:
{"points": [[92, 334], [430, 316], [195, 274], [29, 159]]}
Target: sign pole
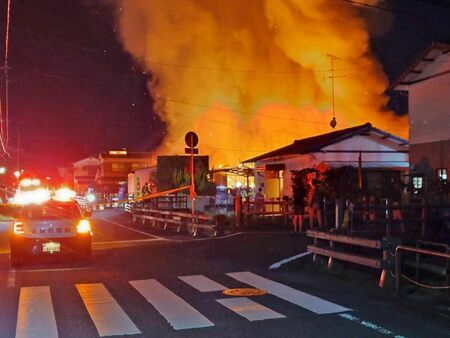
{"points": [[191, 140], [192, 178]]}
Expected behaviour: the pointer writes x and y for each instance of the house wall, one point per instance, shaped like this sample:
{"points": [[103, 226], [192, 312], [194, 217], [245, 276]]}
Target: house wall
{"points": [[120, 167], [427, 157], [429, 104], [356, 144], [429, 112]]}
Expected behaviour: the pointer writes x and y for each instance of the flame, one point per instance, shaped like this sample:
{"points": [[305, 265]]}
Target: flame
{"points": [[251, 76]]}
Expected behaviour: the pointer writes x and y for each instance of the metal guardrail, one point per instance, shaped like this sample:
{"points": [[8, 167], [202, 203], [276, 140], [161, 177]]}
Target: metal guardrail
{"points": [[181, 221], [398, 264], [383, 246]]}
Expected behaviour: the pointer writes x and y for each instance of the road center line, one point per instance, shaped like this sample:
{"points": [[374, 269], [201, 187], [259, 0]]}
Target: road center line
{"points": [[131, 229], [58, 270], [287, 260]]}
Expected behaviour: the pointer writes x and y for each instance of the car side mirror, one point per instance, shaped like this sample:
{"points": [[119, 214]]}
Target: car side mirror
{"points": [[88, 213]]}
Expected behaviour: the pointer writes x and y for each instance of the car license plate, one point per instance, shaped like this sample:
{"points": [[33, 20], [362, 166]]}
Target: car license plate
{"points": [[51, 247]]}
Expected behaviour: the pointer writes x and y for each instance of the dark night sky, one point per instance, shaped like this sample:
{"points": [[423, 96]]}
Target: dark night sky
{"points": [[73, 87]]}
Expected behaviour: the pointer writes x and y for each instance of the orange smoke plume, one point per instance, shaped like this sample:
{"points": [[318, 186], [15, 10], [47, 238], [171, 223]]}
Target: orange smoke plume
{"points": [[251, 76]]}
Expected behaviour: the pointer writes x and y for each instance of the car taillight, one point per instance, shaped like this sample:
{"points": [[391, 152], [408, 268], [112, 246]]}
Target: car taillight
{"points": [[18, 228], [84, 226]]}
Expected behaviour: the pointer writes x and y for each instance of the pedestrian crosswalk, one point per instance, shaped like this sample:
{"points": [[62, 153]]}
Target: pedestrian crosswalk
{"points": [[106, 313], [110, 316]]}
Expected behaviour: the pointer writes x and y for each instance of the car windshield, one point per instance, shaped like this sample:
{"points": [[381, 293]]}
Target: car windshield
{"points": [[51, 210]]}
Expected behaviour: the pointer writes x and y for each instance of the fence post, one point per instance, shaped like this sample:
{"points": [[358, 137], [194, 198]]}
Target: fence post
{"points": [[336, 213], [388, 239], [424, 217], [247, 213], [398, 270], [330, 259], [238, 210]]}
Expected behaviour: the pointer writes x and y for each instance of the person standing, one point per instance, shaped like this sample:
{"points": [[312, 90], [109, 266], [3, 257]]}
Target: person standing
{"points": [[259, 201], [298, 197], [315, 204]]}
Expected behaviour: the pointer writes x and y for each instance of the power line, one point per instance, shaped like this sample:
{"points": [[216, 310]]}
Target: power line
{"points": [[396, 11], [258, 71], [235, 111]]}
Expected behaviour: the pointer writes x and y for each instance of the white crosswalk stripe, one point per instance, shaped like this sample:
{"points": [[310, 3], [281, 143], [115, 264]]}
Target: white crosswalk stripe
{"points": [[202, 283], [35, 316], [249, 309], [303, 299], [107, 315], [175, 310]]}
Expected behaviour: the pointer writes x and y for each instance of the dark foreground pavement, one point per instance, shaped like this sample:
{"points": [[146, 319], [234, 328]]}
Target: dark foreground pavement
{"points": [[372, 312]]}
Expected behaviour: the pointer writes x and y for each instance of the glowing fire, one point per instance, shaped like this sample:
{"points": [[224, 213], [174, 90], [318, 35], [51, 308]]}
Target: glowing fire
{"points": [[251, 76]]}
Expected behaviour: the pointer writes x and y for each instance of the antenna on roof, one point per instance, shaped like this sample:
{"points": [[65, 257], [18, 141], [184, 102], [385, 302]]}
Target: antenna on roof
{"points": [[332, 58]]}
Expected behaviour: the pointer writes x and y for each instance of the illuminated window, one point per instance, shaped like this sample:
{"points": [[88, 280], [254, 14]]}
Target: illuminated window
{"points": [[117, 166], [117, 152], [417, 182], [441, 174]]}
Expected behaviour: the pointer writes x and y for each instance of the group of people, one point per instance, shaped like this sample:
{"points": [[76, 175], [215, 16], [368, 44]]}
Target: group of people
{"points": [[313, 200]]}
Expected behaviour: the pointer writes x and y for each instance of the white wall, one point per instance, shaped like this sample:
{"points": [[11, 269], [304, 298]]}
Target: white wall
{"points": [[429, 104], [357, 143]]}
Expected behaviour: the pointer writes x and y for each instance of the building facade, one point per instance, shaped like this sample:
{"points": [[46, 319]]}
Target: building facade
{"points": [[376, 151], [112, 175], [84, 172], [427, 82]]}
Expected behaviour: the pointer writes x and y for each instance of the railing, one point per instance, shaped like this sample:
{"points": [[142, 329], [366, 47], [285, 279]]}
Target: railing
{"points": [[398, 264], [371, 217], [247, 210], [181, 221], [379, 261]]}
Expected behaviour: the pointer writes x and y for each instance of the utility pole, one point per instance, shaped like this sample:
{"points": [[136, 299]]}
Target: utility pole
{"points": [[332, 58], [4, 126]]}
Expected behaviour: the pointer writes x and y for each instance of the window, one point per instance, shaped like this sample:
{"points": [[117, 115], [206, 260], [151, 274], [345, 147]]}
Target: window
{"points": [[417, 182], [117, 166], [441, 174]]}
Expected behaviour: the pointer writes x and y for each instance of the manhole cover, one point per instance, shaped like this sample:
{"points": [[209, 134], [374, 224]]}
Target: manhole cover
{"points": [[244, 292]]}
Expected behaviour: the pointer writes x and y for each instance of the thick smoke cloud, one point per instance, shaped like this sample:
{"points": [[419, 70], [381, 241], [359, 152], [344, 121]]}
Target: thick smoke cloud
{"points": [[250, 76]]}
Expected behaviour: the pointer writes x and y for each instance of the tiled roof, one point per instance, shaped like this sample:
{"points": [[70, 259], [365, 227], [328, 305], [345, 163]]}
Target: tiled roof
{"points": [[316, 143]]}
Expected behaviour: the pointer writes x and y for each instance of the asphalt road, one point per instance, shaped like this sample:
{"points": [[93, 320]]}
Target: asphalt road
{"points": [[133, 287]]}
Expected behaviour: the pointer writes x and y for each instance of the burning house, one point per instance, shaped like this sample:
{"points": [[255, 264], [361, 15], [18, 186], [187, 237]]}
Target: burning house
{"points": [[380, 154]]}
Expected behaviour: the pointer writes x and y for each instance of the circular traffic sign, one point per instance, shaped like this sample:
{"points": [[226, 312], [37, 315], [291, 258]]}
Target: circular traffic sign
{"points": [[191, 139]]}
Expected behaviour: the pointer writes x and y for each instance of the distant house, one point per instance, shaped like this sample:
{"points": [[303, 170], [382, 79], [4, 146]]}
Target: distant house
{"points": [[382, 154], [84, 172], [427, 82], [115, 166]]}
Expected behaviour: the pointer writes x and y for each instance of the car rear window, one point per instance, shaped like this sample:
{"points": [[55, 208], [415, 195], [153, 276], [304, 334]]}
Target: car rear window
{"points": [[51, 211]]}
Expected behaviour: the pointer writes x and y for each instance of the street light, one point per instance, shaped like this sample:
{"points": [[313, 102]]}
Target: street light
{"points": [[17, 174], [2, 170]]}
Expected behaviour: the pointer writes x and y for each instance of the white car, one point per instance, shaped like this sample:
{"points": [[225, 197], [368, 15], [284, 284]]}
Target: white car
{"points": [[50, 228]]}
